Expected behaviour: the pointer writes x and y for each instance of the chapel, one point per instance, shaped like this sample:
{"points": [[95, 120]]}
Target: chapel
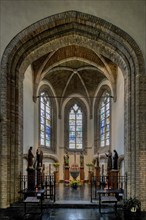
{"points": [[72, 92]]}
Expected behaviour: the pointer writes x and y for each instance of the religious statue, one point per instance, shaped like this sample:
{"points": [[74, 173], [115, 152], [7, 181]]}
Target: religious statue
{"points": [[115, 160], [81, 160], [109, 162], [30, 158], [66, 159], [39, 157], [96, 160]]}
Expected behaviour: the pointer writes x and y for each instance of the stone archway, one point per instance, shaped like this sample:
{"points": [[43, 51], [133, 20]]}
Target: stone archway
{"points": [[47, 35]]}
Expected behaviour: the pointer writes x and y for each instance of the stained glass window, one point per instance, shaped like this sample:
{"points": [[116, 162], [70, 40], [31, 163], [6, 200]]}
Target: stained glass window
{"points": [[45, 120], [75, 128], [104, 118]]}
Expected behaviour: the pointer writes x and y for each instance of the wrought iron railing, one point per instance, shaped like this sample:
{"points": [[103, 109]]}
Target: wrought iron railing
{"points": [[47, 182], [108, 182]]}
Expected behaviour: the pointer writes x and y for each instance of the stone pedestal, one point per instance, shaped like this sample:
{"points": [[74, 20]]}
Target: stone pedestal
{"points": [[90, 176], [113, 179], [39, 178], [31, 179], [97, 175], [56, 176], [66, 173], [82, 174]]}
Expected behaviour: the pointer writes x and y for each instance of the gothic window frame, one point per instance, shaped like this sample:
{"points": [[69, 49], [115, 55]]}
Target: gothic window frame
{"points": [[97, 145], [83, 108], [53, 113], [105, 120]]}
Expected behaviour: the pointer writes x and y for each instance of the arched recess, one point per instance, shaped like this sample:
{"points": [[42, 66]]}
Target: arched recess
{"points": [[47, 35]]}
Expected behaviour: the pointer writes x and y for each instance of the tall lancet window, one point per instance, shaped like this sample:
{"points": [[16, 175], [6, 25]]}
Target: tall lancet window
{"points": [[104, 119], [75, 128], [45, 120]]}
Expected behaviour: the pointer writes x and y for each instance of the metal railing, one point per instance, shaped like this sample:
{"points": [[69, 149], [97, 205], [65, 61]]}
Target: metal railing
{"points": [[108, 182], [47, 182]]}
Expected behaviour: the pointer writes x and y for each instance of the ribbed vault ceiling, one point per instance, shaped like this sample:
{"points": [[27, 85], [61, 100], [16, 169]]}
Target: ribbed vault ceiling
{"points": [[74, 70]]}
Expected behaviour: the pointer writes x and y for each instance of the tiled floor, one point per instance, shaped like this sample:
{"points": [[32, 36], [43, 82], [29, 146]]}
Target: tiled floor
{"points": [[68, 207]]}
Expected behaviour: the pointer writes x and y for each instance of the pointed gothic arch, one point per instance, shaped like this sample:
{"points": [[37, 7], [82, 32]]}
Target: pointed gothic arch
{"points": [[47, 35]]}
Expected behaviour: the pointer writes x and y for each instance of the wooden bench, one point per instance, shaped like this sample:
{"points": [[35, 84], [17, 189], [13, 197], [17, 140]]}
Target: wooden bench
{"points": [[108, 199], [32, 200]]}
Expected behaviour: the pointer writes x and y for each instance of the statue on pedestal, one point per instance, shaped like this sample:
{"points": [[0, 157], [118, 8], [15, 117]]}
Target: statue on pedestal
{"points": [[115, 160], [66, 159], [96, 160], [39, 157], [109, 162], [30, 170], [30, 158]]}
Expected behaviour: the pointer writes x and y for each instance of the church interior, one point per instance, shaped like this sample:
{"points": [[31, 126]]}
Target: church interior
{"points": [[72, 102]]}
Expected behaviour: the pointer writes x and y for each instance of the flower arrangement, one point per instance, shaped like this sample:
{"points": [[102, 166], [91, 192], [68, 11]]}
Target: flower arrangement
{"points": [[75, 183]]}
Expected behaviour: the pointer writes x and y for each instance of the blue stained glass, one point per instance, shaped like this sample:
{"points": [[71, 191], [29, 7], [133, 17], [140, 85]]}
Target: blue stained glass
{"points": [[42, 119], [102, 123], [48, 130], [79, 116], [105, 119], [42, 113], [75, 127], [72, 138], [42, 106], [101, 130]]}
